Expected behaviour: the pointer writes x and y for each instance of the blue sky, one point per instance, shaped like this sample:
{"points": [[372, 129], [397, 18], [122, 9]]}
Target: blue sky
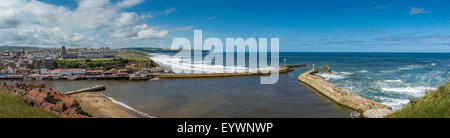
{"points": [[308, 26]]}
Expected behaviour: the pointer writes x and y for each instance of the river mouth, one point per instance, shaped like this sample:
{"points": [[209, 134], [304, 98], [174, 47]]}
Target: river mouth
{"points": [[241, 97]]}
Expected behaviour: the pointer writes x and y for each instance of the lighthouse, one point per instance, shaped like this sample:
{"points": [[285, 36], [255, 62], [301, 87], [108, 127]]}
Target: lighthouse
{"points": [[284, 65]]}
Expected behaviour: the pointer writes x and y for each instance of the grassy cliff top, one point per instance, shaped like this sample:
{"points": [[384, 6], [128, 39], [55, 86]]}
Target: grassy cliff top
{"points": [[435, 104], [14, 106]]}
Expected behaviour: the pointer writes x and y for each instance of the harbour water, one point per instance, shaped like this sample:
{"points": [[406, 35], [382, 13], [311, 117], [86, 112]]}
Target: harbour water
{"points": [[389, 78], [216, 97]]}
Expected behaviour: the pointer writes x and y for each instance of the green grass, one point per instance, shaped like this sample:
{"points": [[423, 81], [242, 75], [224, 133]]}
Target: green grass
{"points": [[129, 53], [14, 106], [435, 104], [101, 63], [139, 58]]}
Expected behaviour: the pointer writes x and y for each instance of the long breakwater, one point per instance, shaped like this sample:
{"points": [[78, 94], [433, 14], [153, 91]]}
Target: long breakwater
{"points": [[369, 108]]}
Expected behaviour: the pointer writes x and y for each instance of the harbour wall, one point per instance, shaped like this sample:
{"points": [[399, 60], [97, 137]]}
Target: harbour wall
{"points": [[368, 108], [210, 75]]}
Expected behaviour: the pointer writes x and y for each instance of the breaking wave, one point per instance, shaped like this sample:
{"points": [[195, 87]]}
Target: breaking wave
{"points": [[405, 68], [411, 67], [389, 87], [393, 81], [417, 91], [335, 75], [395, 103], [363, 71], [179, 65]]}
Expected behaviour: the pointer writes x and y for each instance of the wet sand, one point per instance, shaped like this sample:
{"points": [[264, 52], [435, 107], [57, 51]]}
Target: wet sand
{"points": [[100, 106]]}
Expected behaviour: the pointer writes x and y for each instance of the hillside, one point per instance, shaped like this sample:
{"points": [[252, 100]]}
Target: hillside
{"points": [[435, 104], [14, 106]]}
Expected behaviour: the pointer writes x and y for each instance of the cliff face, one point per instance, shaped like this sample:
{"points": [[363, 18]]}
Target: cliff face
{"points": [[342, 97]]}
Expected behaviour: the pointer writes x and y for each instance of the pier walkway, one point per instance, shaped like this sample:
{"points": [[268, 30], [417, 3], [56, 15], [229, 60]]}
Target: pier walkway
{"points": [[89, 89], [210, 75], [368, 108]]}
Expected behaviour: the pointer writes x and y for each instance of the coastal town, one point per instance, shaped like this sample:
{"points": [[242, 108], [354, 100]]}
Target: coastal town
{"points": [[73, 64], [21, 68], [22, 71]]}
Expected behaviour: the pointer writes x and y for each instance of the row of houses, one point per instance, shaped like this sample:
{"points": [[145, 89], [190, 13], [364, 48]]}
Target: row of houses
{"points": [[74, 72], [54, 102], [63, 72], [49, 100]]}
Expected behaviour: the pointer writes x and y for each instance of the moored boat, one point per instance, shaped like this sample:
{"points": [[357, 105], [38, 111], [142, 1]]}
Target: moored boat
{"points": [[34, 85], [72, 78], [27, 79]]}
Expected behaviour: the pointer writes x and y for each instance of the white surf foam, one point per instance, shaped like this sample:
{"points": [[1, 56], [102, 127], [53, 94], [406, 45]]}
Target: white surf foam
{"points": [[334, 75], [331, 76], [411, 67], [127, 107], [363, 71], [393, 81], [403, 68], [345, 73], [179, 65], [395, 103], [417, 91]]}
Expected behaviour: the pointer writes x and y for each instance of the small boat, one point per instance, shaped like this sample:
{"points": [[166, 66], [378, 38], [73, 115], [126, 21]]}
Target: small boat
{"points": [[27, 79], [55, 78], [155, 79], [40, 85], [72, 78]]}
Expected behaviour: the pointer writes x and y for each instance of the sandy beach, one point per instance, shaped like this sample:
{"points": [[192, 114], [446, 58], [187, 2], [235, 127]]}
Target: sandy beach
{"points": [[100, 106]]}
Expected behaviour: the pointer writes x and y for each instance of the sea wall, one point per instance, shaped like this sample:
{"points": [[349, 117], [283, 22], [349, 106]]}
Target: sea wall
{"points": [[368, 108], [210, 75]]}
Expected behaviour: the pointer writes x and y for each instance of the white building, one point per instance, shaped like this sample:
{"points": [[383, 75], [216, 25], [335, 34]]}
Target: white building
{"points": [[68, 71]]}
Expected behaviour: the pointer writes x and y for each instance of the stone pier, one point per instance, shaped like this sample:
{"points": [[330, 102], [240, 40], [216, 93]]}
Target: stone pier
{"points": [[89, 89], [211, 75], [368, 108]]}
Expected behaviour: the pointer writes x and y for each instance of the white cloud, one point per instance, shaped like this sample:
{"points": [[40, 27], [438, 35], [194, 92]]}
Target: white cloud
{"points": [[417, 10], [126, 19], [147, 15], [129, 3], [91, 23], [169, 11], [138, 32], [185, 28], [151, 33]]}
